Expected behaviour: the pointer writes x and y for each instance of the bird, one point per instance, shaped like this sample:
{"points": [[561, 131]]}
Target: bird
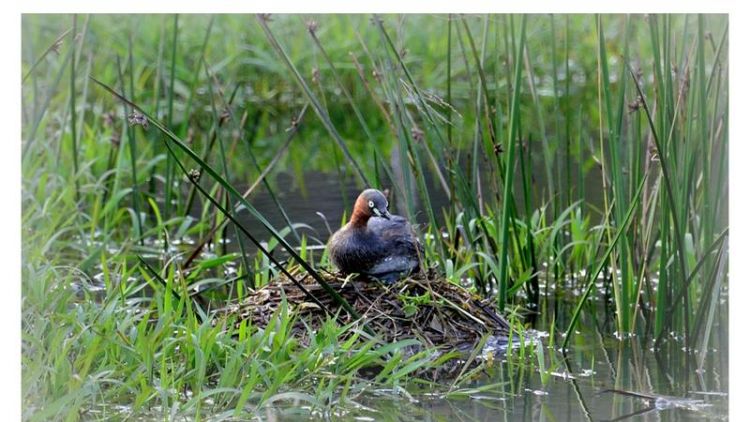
{"points": [[374, 242]]}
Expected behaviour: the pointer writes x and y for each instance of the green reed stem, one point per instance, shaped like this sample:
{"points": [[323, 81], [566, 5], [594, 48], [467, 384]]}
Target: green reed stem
{"points": [[170, 120], [130, 133], [509, 165], [73, 133]]}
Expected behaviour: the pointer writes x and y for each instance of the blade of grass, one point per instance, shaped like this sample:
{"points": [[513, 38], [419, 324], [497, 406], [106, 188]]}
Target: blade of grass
{"points": [[47, 100], [199, 305], [602, 262], [130, 133], [509, 165], [73, 133], [53, 47], [225, 166], [319, 110], [356, 109], [170, 121], [679, 233], [240, 199], [271, 165], [260, 246]]}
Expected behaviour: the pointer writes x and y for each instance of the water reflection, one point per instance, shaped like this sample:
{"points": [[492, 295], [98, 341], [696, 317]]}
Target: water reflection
{"points": [[597, 381]]}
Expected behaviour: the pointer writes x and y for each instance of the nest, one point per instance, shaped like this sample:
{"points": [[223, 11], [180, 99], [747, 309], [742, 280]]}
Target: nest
{"points": [[426, 307]]}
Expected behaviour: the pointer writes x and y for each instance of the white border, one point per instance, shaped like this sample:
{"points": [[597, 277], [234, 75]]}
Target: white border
{"points": [[10, 115], [10, 215], [380, 6], [739, 233]]}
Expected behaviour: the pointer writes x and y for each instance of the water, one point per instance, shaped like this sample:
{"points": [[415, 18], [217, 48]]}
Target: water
{"points": [[326, 198], [576, 387], [603, 377], [573, 388], [321, 205]]}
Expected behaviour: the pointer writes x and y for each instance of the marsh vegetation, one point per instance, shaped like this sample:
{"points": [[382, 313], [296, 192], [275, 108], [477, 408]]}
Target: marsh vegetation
{"points": [[570, 169]]}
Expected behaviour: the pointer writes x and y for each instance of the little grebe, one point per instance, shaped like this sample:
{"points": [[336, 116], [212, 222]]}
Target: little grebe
{"points": [[383, 246]]}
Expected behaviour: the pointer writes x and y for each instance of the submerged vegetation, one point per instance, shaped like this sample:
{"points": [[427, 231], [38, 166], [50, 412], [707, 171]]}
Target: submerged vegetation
{"points": [[551, 158]]}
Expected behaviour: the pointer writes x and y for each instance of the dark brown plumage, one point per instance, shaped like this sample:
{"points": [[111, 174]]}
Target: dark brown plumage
{"points": [[374, 242]]}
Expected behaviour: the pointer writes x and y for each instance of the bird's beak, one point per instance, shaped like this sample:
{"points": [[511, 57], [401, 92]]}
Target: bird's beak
{"points": [[381, 213]]}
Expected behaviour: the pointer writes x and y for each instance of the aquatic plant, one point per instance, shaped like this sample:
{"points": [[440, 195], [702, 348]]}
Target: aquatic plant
{"points": [[550, 157]]}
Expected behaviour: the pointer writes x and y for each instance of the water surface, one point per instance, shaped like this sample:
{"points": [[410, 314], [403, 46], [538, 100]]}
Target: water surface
{"points": [[578, 387]]}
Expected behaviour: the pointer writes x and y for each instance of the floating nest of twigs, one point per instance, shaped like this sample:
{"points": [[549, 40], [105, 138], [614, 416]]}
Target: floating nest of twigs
{"points": [[425, 307]]}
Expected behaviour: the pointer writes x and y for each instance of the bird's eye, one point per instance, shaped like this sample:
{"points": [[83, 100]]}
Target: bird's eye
{"points": [[371, 204]]}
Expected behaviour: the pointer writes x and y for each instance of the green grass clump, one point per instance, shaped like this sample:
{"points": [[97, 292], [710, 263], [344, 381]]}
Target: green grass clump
{"points": [[125, 352]]}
